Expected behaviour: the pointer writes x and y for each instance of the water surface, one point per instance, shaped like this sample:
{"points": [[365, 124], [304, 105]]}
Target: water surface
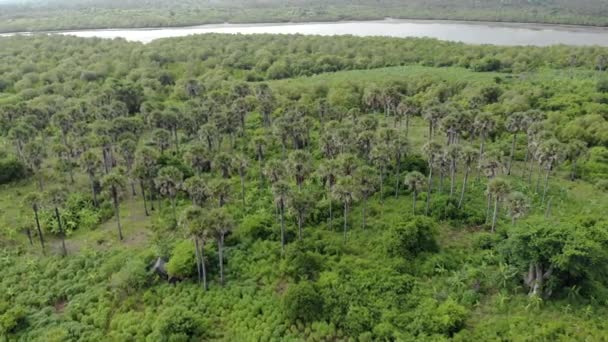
{"points": [[507, 34]]}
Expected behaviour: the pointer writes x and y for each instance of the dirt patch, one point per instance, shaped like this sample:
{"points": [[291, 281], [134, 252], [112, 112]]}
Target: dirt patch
{"points": [[60, 305]]}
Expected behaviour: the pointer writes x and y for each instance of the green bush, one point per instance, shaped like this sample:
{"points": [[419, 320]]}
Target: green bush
{"points": [[179, 324], [302, 302], [12, 170], [412, 236], [182, 263]]}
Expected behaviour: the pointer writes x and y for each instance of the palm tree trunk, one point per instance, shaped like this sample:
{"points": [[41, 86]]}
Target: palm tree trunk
{"points": [[398, 176], [300, 227], [452, 176], [530, 171], [64, 250], [523, 171], [364, 210], [40, 184], [441, 177], [331, 214], [95, 202], [39, 230], [345, 220], [133, 192], [407, 125], [546, 184], [198, 258], [152, 195], [511, 155], [203, 267], [414, 195], [382, 187], [430, 188], [464, 186], [28, 232], [489, 197], [143, 195], [242, 188], [173, 208], [480, 158], [540, 175], [573, 172], [495, 213], [117, 212], [220, 248], [282, 216]]}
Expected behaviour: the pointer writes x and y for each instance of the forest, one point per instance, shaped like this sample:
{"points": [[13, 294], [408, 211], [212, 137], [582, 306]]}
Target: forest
{"points": [[35, 15], [302, 188]]}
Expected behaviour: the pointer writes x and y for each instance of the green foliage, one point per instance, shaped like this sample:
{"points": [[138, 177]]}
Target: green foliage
{"points": [[12, 170], [412, 236], [182, 263], [602, 85], [179, 324], [302, 302], [77, 213]]}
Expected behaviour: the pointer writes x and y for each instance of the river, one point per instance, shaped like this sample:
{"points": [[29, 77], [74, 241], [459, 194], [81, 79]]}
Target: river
{"points": [[505, 34]]}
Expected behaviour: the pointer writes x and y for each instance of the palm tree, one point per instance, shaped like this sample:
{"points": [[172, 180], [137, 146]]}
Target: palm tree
{"points": [[114, 183], [34, 153], [400, 148], [220, 189], [433, 115], [208, 133], [469, 155], [20, 134], [453, 154], [259, 143], [407, 108], [518, 205], [198, 190], [56, 197], [198, 158], [432, 150], [220, 223], [275, 171], [574, 151], [498, 188], [550, 153], [168, 181], [415, 182], [223, 163], [192, 219], [126, 148], [327, 173], [64, 163], [90, 164], [515, 123], [300, 203], [161, 138], [240, 164], [281, 192], [344, 192], [484, 125], [146, 163], [34, 201], [299, 164], [381, 158], [366, 179]]}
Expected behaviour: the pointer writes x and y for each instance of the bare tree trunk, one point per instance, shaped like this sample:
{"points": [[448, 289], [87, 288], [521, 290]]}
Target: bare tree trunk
{"points": [[511, 155], [40, 237], [282, 216], [61, 232], [414, 195], [220, 248], [345, 220], [481, 149], [198, 258], [117, 212], [242, 188], [203, 267], [430, 188], [299, 227], [546, 184], [495, 214], [464, 186], [364, 211], [143, 194]]}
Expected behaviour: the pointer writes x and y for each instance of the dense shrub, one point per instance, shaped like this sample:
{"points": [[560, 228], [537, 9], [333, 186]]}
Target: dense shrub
{"points": [[302, 302], [182, 263], [11, 170], [412, 236]]}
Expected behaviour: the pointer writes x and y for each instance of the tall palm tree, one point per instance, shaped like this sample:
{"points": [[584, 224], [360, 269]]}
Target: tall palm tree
{"points": [[415, 183], [515, 123], [198, 190], [56, 196], [550, 154], [469, 155], [20, 134], [381, 158], [114, 183], [198, 158], [192, 219], [168, 182], [223, 164], [299, 164], [162, 139], [433, 115], [432, 150], [300, 203], [327, 174], [127, 148], [281, 192], [518, 205], [484, 125], [453, 154], [366, 179], [275, 171], [34, 153], [240, 164], [345, 192], [34, 201], [574, 151], [259, 143], [90, 163], [407, 108], [221, 190], [400, 148], [146, 164], [220, 223], [498, 188]]}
